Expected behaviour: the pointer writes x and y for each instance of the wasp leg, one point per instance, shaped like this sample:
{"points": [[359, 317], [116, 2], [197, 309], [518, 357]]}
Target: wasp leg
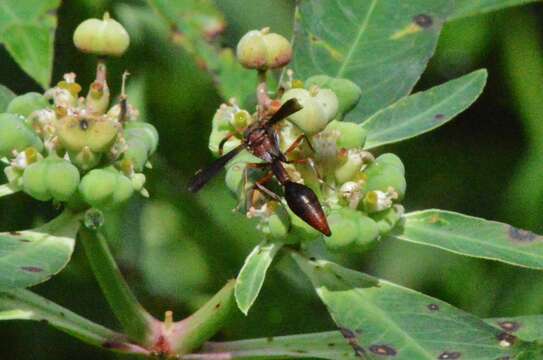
{"points": [[223, 141], [307, 161], [296, 143], [244, 197]]}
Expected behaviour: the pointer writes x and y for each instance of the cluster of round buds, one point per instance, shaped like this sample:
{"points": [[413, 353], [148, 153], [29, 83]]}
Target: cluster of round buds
{"points": [[361, 194], [81, 150], [262, 50]]}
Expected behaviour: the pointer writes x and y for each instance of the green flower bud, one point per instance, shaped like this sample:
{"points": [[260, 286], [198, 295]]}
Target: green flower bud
{"points": [[15, 135], [279, 51], [85, 159], [388, 219], [263, 50], [97, 100], [96, 133], [143, 131], [351, 230], [344, 229], [383, 177], [26, 104], [241, 120], [137, 152], [105, 188], [350, 168], [376, 201], [312, 118], [351, 135], [251, 50], [51, 178], [393, 160], [328, 101], [138, 181], [224, 117], [101, 37], [347, 92]]}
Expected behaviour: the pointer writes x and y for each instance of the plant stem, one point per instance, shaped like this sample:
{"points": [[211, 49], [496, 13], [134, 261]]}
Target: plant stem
{"points": [[189, 334], [136, 322], [21, 304]]}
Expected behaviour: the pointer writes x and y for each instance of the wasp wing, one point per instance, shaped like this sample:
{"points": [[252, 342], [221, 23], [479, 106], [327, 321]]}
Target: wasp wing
{"points": [[203, 176], [287, 109]]}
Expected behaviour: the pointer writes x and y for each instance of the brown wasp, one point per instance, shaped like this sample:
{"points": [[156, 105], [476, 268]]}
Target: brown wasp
{"points": [[262, 140]]}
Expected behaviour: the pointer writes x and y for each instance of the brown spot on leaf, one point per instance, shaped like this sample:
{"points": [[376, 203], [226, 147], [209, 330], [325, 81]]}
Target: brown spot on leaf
{"points": [[433, 307], [449, 355], [270, 339], [423, 20], [509, 326], [33, 269], [506, 339], [439, 117], [331, 344], [347, 334], [113, 345], [359, 350], [14, 233], [521, 235], [217, 305], [383, 350]]}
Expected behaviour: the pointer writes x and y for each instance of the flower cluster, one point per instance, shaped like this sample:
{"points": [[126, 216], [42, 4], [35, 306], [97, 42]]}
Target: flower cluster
{"points": [[361, 194], [82, 150]]}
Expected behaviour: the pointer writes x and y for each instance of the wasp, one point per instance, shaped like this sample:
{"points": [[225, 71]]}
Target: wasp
{"points": [[261, 139]]}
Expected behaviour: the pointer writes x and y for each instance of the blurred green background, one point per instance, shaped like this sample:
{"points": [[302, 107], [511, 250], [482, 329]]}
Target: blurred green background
{"points": [[176, 249]]}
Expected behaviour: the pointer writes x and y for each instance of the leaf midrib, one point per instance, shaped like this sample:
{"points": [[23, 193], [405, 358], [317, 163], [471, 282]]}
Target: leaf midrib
{"points": [[472, 240], [359, 35], [379, 134]]}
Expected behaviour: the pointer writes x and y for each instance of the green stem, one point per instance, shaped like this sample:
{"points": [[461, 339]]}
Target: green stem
{"points": [[189, 334], [21, 304], [6, 190], [136, 322]]}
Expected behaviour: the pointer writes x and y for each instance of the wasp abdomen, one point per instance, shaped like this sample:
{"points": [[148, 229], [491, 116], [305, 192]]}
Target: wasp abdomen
{"points": [[304, 203]]}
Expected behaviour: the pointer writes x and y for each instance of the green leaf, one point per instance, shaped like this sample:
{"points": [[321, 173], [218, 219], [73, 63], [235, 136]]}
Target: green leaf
{"points": [[234, 80], [27, 29], [6, 190], [383, 46], [471, 236], [20, 304], [30, 257], [465, 8], [332, 345], [523, 70], [381, 319], [6, 95], [528, 328], [252, 274], [325, 345], [424, 111]]}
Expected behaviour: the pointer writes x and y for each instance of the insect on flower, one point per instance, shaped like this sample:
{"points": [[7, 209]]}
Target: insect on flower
{"points": [[261, 140]]}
